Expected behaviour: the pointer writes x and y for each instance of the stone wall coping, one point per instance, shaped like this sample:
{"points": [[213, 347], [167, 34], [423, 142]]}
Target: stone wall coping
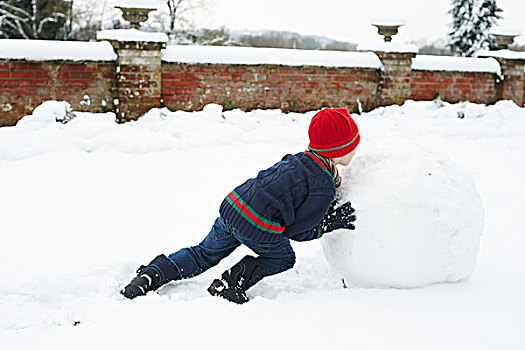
{"points": [[456, 64], [269, 56], [389, 47], [132, 35], [52, 50], [506, 54]]}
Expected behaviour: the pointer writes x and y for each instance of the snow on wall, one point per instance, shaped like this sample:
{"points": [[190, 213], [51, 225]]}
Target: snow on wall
{"points": [[49, 50], [456, 64], [389, 47], [388, 21], [256, 56], [505, 31], [131, 35], [141, 4], [508, 54]]}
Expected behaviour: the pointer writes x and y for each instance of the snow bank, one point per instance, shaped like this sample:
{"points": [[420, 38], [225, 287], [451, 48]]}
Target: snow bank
{"points": [[159, 130], [420, 218], [162, 130], [455, 64], [52, 50], [255, 55]]}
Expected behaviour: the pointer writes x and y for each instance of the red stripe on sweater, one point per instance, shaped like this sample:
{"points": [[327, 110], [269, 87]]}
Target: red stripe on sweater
{"points": [[252, 217]]}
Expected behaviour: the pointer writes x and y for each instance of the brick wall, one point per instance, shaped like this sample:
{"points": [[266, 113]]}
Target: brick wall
{"points": [[192, 86], [454, 86], [26, 84], [137, 75]]}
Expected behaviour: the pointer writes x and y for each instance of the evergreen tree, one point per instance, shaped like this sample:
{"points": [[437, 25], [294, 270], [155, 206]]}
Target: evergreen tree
{"points": [[471, 23], [488, 15]]}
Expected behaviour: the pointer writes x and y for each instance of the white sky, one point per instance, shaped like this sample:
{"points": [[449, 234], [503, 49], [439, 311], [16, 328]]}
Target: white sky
{"points": [[348, 20]]}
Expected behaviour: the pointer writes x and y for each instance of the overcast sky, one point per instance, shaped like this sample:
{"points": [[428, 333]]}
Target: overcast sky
{"points": [[348, 20]]}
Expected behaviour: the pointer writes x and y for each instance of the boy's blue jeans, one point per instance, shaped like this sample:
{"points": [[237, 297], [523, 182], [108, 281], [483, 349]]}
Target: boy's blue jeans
{"points": [[222, 240]]}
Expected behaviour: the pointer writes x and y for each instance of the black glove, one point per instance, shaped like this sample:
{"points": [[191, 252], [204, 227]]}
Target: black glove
{"points": [[336, 218]]}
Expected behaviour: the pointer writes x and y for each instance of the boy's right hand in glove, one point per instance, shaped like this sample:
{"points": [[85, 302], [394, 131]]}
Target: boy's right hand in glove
{"points": [[336, 218]]}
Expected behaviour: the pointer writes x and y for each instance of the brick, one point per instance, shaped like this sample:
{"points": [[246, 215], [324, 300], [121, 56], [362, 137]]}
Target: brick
{"points": [[21, 66], [4, 83], [41, 74], [38, 82], [91, 67], [23, 92], [81, 75], [184, 84], [75, 67], [22, 74], [106, 76], [176, 76]]}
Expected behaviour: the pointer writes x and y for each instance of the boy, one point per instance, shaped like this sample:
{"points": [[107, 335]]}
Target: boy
{"points": [[294, 199]]}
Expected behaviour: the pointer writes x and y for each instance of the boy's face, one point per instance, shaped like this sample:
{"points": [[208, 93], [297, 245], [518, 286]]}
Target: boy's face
{"points": [[344, 161]]}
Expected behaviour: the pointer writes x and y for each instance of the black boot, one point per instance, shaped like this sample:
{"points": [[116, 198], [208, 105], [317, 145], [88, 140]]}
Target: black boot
{"points": [[158, 272], [234, 282]]}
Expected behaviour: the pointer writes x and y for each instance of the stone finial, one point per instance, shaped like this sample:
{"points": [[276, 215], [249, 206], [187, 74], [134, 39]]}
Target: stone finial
{"points": [[136, 11], [504, 37], [388, 27]]}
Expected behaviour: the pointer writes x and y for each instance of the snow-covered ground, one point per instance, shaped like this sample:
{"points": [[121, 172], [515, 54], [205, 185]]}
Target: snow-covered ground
{"points": [[83, 204]]}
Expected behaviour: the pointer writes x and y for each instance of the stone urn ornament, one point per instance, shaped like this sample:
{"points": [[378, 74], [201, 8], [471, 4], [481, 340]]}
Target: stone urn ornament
{"points": [[136, 11], [388, 27], [504, 37]]}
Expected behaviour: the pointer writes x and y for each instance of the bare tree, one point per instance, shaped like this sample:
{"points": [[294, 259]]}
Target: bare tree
{"points": [[178, 11], [89, 17], [34, 19]]}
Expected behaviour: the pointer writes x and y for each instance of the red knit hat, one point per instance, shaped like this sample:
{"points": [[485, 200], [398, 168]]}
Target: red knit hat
{"points": [[333, 133]]}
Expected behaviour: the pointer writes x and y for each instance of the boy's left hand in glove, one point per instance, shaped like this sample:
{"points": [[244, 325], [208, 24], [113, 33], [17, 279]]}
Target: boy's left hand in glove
{"points": [[337, 218]]}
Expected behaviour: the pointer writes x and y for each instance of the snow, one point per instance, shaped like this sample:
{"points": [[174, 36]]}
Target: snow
{"points": [[507, 54], [132, 35], [140, 4], [254, 56], [51, 50], [456, 64], [430, 225], [505, 31], [389, 47], [83, 204], [389, 21]]}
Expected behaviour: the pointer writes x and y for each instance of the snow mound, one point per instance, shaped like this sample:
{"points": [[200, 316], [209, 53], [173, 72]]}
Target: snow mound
{"points": [[48, 113], [419, 220]]}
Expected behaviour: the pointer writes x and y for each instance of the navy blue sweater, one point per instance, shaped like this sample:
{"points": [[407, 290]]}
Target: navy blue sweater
{"points": [[289, 199]]}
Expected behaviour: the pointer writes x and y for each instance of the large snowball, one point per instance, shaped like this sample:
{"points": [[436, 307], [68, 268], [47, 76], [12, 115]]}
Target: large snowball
{"points": [[419, 220]]}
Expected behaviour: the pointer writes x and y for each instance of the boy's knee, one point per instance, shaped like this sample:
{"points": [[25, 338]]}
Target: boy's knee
{"points": [[288, 262]]}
